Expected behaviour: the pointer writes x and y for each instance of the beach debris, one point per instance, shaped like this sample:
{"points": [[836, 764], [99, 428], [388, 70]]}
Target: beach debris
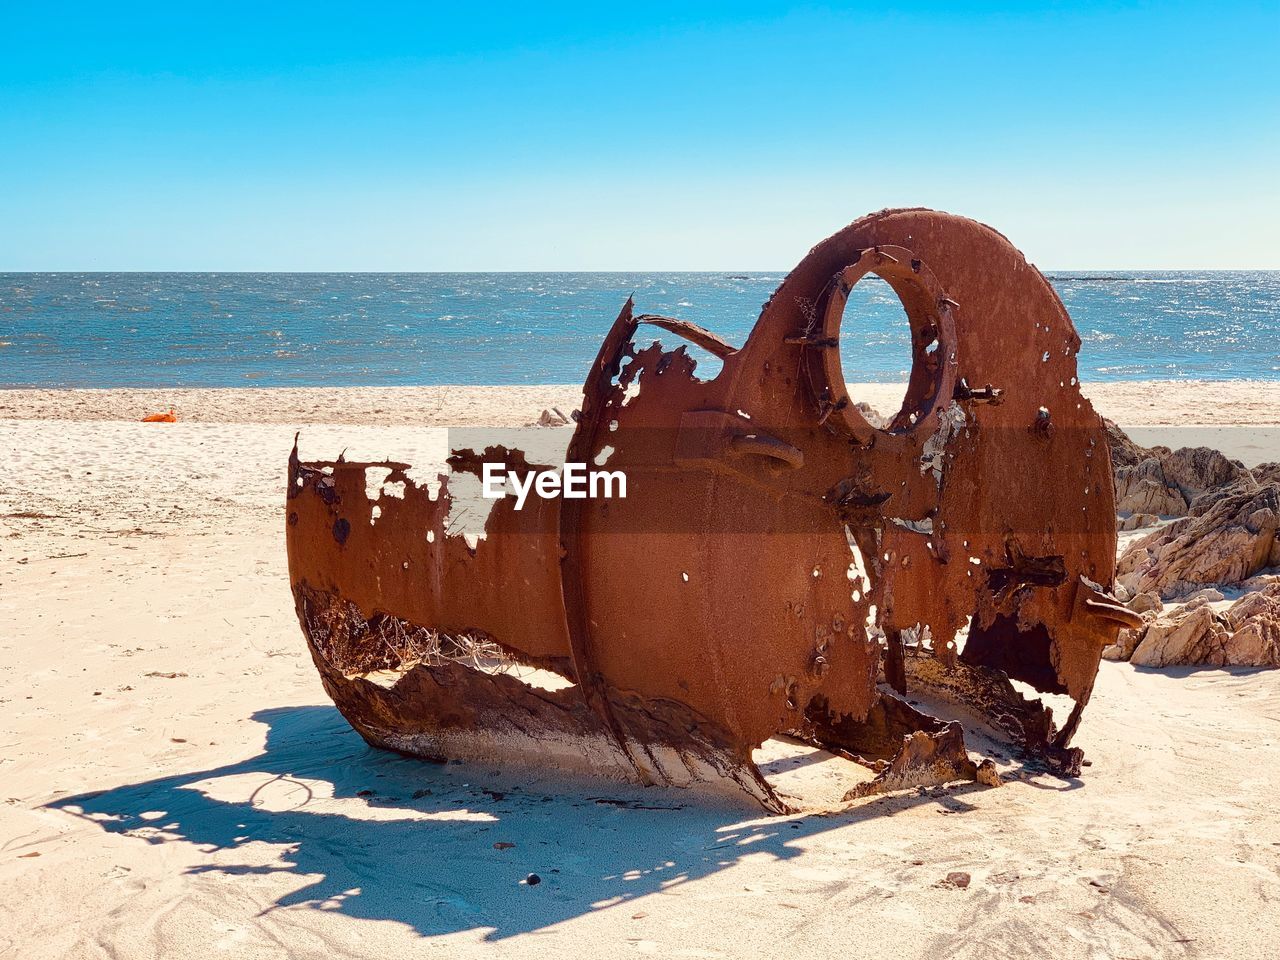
{"points": [[170, 417], [784, 563]]}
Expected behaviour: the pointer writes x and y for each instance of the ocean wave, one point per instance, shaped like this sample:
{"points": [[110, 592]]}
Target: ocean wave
{"points": [[62, 330]]}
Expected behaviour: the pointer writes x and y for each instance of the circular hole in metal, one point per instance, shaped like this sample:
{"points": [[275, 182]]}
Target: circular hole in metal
{"points": [[875, 350], [929, 341]]}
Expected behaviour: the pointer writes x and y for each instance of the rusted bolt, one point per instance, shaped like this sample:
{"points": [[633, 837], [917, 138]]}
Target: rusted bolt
{"points": [[1043, 426], [805, 340], [987, 394]]}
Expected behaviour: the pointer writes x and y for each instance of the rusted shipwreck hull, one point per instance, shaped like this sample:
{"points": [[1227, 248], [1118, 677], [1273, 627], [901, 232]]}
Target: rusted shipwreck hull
{"points": [[779, 565]]}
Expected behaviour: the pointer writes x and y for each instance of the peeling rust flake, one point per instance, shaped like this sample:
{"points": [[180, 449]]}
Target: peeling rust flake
{"points": [[784, 565]]}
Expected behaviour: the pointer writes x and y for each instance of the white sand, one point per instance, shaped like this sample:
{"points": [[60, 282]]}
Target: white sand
{"points": [[222, 812], [1143, 402]]}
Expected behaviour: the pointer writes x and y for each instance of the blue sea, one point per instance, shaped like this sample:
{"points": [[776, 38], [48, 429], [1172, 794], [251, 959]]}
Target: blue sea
{"points": [[312, 329]]}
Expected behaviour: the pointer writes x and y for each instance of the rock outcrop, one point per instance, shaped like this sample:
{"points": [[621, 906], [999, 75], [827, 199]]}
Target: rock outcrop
{"points": [[1259, 476], [1247, 634], [1127, 641], [1195, 470], [1231, 541], [1227, 534], [1138, 521], [872, 415], [1157, 480], [1141, 488], [1255, 618], [1199, 636], [1144, 603]]}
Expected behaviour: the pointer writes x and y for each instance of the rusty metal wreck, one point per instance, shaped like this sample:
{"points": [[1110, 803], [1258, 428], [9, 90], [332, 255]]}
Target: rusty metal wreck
{"points": [[780, 565]]}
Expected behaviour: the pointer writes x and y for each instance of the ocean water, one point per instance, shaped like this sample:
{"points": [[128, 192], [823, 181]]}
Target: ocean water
{"points": [[273, 329]]}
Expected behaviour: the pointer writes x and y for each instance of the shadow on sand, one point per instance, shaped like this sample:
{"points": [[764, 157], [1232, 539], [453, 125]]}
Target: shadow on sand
{"points": [[414, 842]]}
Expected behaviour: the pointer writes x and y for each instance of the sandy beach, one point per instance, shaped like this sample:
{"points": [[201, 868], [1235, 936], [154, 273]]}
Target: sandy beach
{"points": [[174, 781], [544, 483], [1132, 403]]}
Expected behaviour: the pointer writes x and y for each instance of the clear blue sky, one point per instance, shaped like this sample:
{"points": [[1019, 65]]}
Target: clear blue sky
{"points": [[385, 136]]}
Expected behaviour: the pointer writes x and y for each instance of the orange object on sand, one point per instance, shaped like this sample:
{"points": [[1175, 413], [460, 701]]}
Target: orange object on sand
{"points": [[169, 417]]}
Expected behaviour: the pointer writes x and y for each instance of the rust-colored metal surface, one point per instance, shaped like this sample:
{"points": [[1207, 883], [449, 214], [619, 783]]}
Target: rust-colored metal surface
{"points": [[778, 566]]}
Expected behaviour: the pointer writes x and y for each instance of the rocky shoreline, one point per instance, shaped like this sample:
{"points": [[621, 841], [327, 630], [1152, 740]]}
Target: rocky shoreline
{"points": [[1206, 578]]}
